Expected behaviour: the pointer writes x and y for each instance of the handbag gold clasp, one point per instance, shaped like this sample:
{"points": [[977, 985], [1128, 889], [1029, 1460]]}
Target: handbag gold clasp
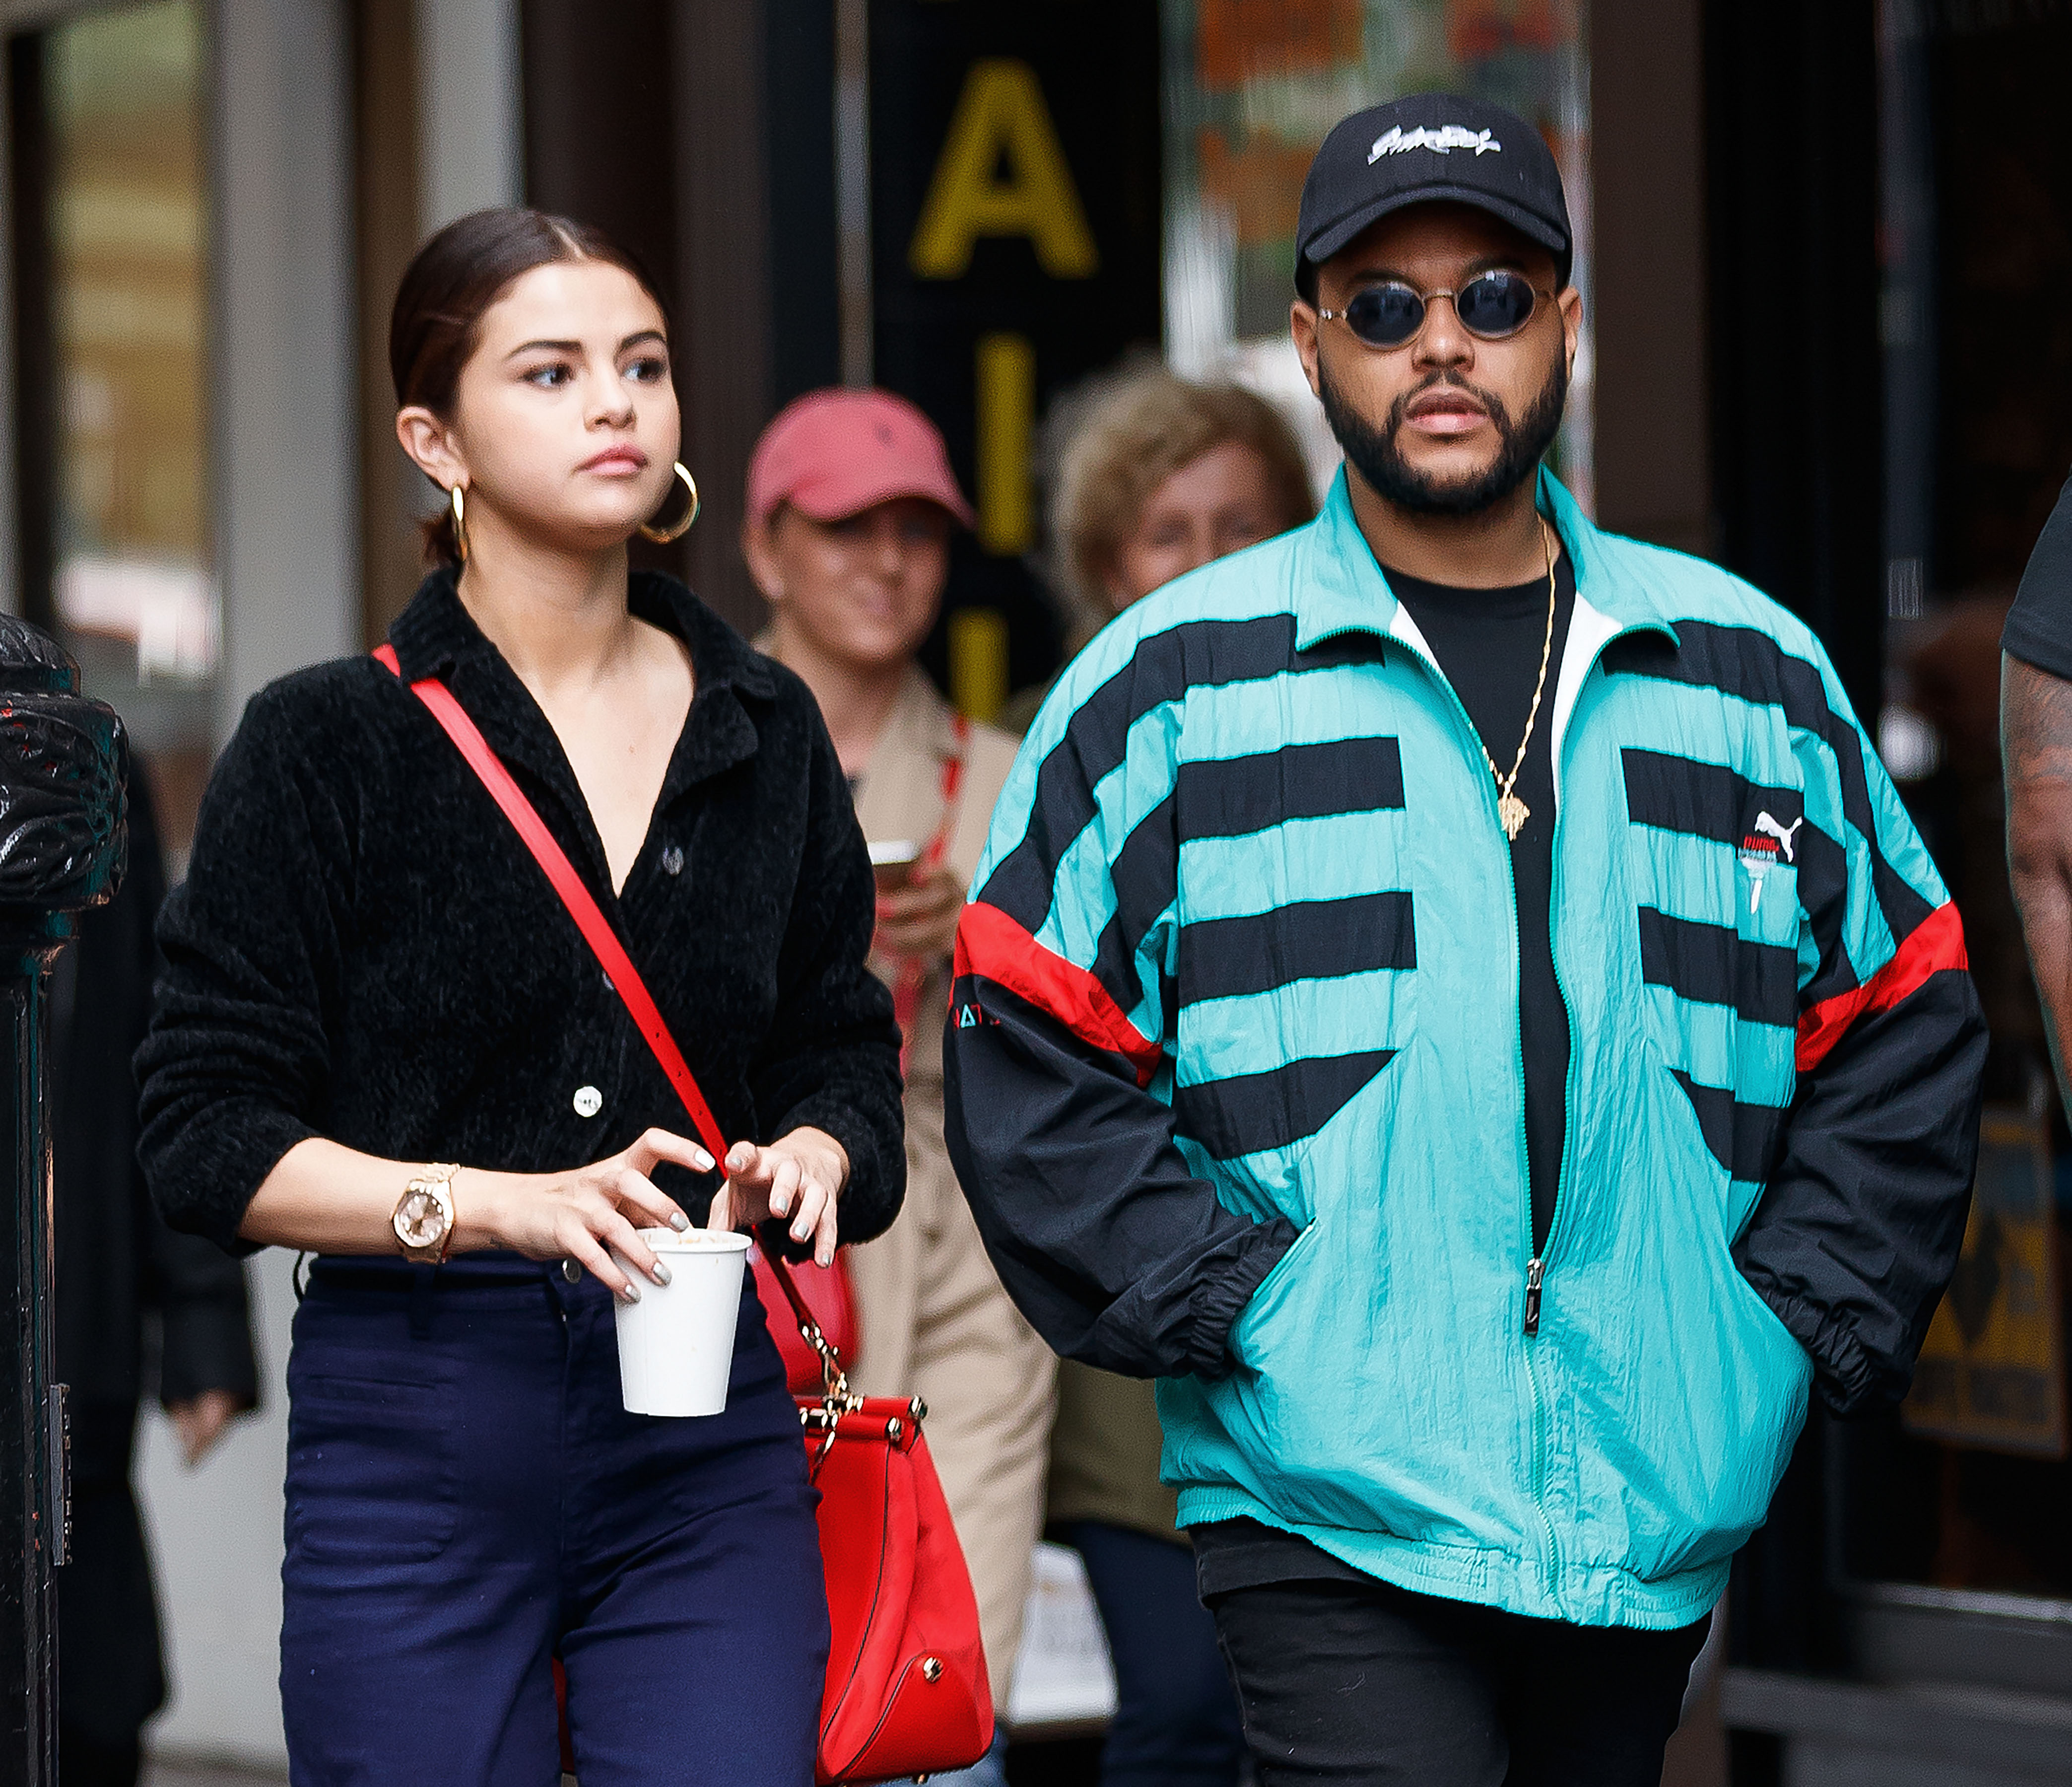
{"points": [[836, 1398]]}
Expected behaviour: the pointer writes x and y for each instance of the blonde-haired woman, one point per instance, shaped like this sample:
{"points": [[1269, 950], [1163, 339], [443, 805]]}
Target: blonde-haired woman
{"points": [[1153, 476]]}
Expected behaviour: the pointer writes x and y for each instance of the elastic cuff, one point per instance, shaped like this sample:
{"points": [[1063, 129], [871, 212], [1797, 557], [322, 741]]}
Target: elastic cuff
{"points": [[1847, 1378], [1219, 1301]]}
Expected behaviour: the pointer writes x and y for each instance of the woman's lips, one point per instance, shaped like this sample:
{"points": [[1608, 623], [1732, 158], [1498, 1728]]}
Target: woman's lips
{"points": [[616, 462]]}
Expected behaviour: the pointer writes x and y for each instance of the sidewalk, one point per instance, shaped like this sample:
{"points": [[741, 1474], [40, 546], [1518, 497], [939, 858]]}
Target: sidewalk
{"points": [[186, 1774], [204, 1776], [194, 1774]]}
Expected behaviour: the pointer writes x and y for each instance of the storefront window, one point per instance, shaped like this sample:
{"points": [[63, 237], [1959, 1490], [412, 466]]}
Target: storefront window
{"points": [[1250, 88], [113, 246], [1965, 1491]]}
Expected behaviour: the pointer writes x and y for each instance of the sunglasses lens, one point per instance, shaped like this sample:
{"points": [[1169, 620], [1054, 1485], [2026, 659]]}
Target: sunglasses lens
{"points": [[1495, 305], [1385, 316]]}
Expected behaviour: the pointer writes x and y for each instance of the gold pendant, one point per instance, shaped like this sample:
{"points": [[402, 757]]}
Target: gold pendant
{"points": [[1514, 813]]}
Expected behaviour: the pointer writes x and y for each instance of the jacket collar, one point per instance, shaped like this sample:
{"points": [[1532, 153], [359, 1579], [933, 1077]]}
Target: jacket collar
{"points": [[435, 636], [900, 795], [1341, 589]]}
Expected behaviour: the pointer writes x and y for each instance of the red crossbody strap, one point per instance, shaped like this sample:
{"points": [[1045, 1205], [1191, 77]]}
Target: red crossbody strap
{"points": [[596, 929]]}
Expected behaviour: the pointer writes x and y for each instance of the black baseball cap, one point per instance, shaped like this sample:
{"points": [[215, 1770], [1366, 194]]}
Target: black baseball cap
{"points": [[1426, 147]]}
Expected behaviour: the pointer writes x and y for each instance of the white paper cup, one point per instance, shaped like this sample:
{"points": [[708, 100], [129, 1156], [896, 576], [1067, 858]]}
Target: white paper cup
{"points": [[676, 1346]]}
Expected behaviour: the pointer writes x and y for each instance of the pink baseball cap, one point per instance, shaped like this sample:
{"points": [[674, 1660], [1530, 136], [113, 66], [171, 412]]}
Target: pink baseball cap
{"points": [[837, 452]]}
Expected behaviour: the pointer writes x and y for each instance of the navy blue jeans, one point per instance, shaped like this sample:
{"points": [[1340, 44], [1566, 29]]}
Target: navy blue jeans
{"points": [[467, 1499], [1176, 1720]]}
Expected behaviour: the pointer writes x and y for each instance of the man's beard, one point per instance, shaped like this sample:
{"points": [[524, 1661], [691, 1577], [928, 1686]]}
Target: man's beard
{"points": [[1374, 454]]}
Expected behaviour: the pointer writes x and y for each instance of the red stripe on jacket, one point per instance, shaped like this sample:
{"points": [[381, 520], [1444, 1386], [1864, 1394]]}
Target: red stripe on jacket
{"points": [[1936, 943], [991, 944]]}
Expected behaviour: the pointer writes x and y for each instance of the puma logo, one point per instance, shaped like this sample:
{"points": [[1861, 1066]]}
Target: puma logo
{"points": [[1770, 828]]}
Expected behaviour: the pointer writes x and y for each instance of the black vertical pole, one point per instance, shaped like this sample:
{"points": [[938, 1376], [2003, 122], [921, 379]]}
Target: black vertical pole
{"points": [[64, 764]]}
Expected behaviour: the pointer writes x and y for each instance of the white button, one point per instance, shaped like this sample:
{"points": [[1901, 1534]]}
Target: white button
{"points": [[589, 1101], [672, 861]]}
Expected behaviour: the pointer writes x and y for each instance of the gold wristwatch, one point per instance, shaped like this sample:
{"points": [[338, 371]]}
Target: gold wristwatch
{"points": [[424, 1219]]}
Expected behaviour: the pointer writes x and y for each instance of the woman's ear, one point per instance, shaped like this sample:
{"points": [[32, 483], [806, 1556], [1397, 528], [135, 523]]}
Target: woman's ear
{"points": [[430, 444], [759, 549]]}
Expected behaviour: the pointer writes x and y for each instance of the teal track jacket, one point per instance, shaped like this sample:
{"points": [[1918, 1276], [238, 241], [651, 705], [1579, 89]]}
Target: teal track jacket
{"points": [[1235, 1090]]}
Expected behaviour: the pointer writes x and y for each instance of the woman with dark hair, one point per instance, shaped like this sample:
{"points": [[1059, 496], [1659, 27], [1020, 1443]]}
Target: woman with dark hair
{"points": [[368, 976]]}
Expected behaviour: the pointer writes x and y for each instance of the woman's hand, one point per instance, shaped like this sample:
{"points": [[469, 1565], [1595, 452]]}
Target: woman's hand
{"points": [[920, 919], [577, 1215], [200, 1420], [800, 1175]]}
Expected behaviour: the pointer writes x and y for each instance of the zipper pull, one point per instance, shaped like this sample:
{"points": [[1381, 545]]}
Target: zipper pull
{"points": [[1536, 1275]]}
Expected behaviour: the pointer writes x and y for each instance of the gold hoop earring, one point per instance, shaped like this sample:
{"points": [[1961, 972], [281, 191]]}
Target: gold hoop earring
{"points": [[662, 536], [458, 504]]}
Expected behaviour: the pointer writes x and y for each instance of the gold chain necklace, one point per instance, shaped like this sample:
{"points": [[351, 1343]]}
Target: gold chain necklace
{"points": [[1510, 809]]}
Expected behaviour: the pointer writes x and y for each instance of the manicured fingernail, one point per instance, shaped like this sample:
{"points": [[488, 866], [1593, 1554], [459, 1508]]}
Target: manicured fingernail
{"points": [[705, 1160], [679, 1221], [661, 1274], [824, 1258], [800, 1230], [631, 1293]]}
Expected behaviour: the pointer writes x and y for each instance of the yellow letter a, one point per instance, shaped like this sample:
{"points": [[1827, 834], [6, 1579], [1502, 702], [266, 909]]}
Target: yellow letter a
{"points": [[1000, 116]]}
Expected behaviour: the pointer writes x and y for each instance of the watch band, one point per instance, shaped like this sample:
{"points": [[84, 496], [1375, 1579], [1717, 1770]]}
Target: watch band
{"points": [[436, 1183]]}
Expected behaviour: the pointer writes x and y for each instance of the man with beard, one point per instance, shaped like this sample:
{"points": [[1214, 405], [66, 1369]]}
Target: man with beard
{"points": [[1452, 994]]}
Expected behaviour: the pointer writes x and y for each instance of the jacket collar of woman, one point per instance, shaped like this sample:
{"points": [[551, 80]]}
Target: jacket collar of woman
{"points": [[436, 637]]}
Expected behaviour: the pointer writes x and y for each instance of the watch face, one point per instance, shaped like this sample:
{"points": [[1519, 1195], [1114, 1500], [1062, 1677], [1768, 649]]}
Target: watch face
{"points": [[420, 1220]]}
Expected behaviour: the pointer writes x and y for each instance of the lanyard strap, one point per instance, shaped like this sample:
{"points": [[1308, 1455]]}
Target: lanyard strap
{"points": [[913, 971]]}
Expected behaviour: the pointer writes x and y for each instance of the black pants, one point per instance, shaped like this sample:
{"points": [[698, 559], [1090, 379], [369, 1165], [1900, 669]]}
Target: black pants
{"points": [[1345, 1682], [1175, 1722], [110, 1679]]}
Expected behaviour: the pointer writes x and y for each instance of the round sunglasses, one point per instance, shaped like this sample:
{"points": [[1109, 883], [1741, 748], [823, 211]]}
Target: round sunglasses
{"points": [[1492, 307]]}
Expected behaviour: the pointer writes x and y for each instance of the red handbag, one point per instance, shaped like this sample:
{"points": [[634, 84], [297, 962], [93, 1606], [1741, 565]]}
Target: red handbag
{"points": [[906, 1690]]}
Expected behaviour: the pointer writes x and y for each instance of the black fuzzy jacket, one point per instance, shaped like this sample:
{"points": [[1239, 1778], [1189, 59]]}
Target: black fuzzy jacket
{"points": [[364, 950]]}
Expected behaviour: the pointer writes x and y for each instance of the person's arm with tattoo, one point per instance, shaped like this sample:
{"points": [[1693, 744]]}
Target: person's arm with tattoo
{"points": [[2035, 742], [2036, 752]]}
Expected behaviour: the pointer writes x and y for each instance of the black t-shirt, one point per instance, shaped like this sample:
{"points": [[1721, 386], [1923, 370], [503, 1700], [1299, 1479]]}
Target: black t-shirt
{"points": [[1488, 643], [2039, 630]]}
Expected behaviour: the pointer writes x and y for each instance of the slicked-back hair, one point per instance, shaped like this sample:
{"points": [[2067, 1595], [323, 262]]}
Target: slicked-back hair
{"points": [[448, 287]]}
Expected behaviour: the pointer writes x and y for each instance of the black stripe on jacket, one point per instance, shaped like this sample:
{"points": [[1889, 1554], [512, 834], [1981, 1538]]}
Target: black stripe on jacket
{"points": [[1250, 1113], [1230, 798], [1754, 667], [1709, 800], [1715, 964], [1221, 958], [1162, 668], [1743, 1138]]}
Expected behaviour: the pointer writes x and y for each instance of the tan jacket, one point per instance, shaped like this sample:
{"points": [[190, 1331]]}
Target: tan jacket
{"points": [[900, 798], [934, 1320]]}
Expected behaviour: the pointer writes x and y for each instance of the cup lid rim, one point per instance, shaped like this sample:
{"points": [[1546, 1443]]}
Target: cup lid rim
{"points": [[730, 1240]]}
